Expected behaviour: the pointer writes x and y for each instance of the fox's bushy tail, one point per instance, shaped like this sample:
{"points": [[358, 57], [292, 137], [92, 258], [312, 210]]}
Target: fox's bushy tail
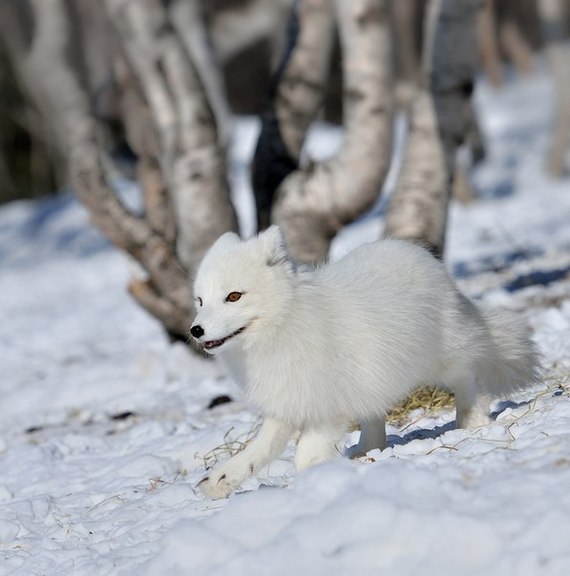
{"points": [[514, 362]]}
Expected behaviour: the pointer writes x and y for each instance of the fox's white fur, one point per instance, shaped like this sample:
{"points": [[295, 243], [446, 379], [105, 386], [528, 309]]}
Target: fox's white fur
{"points": [[316, 350]]}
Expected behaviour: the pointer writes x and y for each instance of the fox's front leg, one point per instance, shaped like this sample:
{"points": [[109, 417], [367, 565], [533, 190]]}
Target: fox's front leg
{"points": [[318, 444], [265, 447]]}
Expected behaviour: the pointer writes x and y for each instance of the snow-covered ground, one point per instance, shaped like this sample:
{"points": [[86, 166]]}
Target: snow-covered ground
{"points": [[105, 427]]}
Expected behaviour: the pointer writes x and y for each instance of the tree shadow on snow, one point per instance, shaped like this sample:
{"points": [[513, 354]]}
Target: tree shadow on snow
{"points": [[420, 434], [501, 406], [425, 433]]}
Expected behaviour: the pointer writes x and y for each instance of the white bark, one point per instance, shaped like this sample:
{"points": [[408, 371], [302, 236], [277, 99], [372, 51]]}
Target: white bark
{"points": [[515, 45], [187, 21], [301, 89], [558, 54], [294, 100], [234, 30], [418, 209], [164, 128], [441, 117], [141, 136], [60, 95], [314, 203], [405, 13], [452, 72], [488, 44], [190, 158]]}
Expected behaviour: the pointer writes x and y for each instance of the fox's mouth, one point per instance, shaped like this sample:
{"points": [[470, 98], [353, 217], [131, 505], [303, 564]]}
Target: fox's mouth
{"points": [[209, 344]]}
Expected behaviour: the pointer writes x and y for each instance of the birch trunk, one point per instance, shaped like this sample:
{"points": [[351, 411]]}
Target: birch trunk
{"points": [[163, 129], [488, 44], [314, 203], [558, 54], [407, 47], [141, 136], [515, 45], [190, 158], [68, 103], [189, 25], [441, 116], [294, 101], [235, 26]]}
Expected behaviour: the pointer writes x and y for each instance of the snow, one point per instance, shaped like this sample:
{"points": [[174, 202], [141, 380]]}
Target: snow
{"points": [[105, 430]]}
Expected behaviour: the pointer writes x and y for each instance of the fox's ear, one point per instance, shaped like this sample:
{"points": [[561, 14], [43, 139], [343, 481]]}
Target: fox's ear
{"points": [[274, 246], [227, 239]]}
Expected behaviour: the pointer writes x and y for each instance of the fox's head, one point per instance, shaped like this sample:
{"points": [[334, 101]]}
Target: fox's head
{"points": [[241, 288]]}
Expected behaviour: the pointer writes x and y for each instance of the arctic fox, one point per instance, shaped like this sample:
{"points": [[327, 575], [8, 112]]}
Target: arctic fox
{"points": [[318, 349]]}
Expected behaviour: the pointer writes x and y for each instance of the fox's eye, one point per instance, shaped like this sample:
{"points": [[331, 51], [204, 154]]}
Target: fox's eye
{"points": [[234, 296], [199, 300]]}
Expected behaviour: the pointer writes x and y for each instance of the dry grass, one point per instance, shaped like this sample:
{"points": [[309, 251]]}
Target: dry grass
{"points": [[430, 398], [230, 446]]}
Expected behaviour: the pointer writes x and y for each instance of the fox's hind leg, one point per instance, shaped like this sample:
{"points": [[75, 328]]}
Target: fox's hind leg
{"points": [[471, 403], [372, 435]]}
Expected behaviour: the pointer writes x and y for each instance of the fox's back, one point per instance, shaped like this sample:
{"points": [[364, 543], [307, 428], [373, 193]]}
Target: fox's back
{"points": [[385, 276], [371, 320]]}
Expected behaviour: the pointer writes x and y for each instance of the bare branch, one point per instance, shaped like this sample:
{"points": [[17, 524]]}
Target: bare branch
{"points": [[145, 294]]}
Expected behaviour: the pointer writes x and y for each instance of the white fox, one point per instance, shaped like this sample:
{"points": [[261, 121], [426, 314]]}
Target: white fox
{"points": [[316, 350]]}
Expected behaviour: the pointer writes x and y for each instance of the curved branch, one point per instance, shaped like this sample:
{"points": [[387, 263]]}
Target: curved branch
{"points": [[293, 101], [190, 158], [314, 203], [61, 97]]}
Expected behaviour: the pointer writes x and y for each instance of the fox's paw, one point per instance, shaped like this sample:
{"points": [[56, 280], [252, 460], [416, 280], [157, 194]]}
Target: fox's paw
{"points": [[355, 451], [216, 486], [224, 480]]}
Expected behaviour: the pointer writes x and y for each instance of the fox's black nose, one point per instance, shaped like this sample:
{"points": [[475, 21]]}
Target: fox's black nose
{"points": [[197, 331]]}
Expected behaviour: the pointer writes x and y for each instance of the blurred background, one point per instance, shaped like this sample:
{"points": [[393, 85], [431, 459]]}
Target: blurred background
{"points": [[96, 94], [246, 39]]}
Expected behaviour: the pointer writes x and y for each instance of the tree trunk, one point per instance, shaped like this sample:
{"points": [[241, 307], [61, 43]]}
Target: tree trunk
{"points": [[441, 116], [236, 26], [513, 39], [25, 164], [187, 20], [314, 203], [558, 54], [171, 128], [407, 16], [488, 44], [37, 168], [190, 158], [418, 208], [294, 101]]}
